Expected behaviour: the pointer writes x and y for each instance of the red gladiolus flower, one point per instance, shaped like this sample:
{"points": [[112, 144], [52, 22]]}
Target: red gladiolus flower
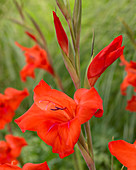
{"points": [[36, 57], [104, 59], [9, 102], [57, 118], [130, 78], [131, 104], [124, 152], [11, 149], [61, 35], [27, 166]]}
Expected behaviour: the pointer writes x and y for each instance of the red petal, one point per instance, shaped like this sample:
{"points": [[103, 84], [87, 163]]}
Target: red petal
{"points": [[30, 120], [41, 166], [104, 59], [124, 152], [9, 167], [61, 35], [45, 98], [123, 61], [113, 56], [31, 36], [62, 137], [131, 104], [89, 102], [124, 85], [16, 143], [21, 47], [15, 96], [27, 71], [6, 116]]}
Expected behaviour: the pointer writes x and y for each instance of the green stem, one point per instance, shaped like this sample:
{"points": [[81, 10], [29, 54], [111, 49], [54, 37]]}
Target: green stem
{"points": [[83, 142], [9, 128], [75, 161], [86, 156], [79, 159], [89, 138], [122, 167], [77, 57]]}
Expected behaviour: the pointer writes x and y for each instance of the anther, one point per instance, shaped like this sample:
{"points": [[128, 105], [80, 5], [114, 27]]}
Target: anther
{"points": [[58, 108]]}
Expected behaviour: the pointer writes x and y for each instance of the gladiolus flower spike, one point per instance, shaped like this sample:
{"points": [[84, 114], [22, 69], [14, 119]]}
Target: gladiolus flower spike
{"points": [[104, 59], [57, 118]]}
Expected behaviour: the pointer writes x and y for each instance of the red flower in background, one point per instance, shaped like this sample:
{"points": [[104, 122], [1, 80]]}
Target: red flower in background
{"points": [[36, 57], [9, 167], [9, 102], [124, 152], [27, 166], [61, 35], [104, 59], [11, 149], [131, 104], [57, 118], [130, 78]]}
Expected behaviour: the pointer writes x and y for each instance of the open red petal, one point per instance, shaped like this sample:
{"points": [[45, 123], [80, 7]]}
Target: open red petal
{"points": [[62, 137], [21, 47], [30, 120], [124, 85], [15, 96], [123, 61], [16, 143], [46, 97], [6, 116], [131, 104], [89, 104], [31, 166], [124, 152], [27, 71]]}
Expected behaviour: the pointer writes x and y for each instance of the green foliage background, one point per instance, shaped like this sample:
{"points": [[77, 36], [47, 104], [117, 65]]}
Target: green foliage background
{"points": [[103, 16]]}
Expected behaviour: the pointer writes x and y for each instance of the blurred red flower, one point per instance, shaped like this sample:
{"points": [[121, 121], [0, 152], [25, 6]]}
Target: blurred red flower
{"points": [[104, 59], [124, 152], [57, 118], [9, 102], [11, 148], [131, 104], [27, 166], [61, 35], [9, 167], [130, 78], [36, 57]]}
